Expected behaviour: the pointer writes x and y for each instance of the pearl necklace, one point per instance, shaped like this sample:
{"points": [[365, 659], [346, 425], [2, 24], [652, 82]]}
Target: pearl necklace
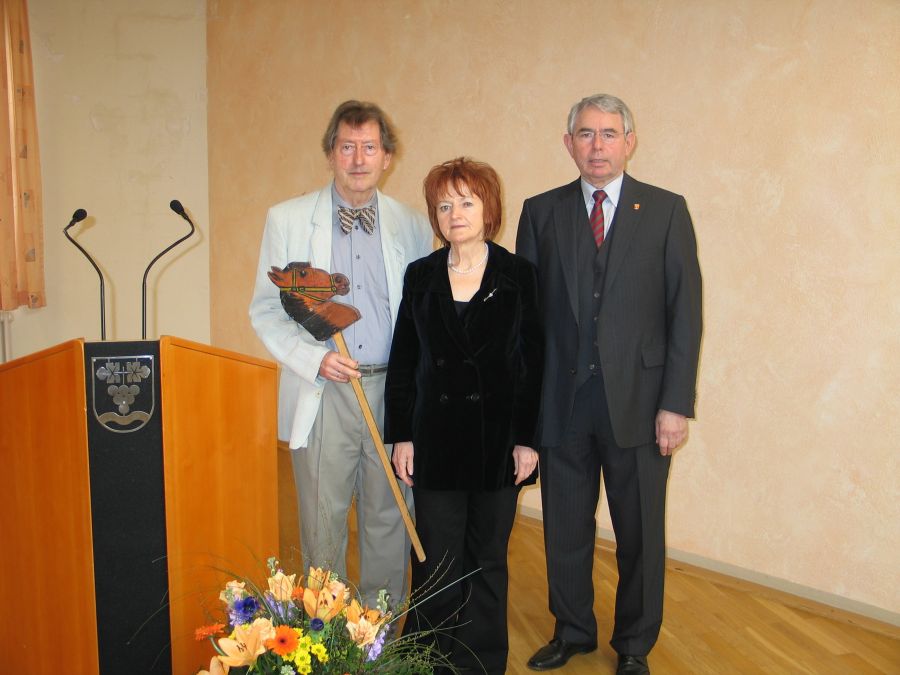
{"points": [[473, 267]]}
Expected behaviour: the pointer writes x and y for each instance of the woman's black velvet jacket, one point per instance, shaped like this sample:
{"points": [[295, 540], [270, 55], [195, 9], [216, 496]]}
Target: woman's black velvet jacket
{"points": [[466, 389]]}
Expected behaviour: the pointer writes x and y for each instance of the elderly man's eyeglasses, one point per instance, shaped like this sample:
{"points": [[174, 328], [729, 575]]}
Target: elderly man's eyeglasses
{"points": [[606, 136], [349, 149]]}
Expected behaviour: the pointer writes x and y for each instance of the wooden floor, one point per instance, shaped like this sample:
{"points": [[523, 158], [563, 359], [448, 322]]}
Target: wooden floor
{"points": [[713, 624]]}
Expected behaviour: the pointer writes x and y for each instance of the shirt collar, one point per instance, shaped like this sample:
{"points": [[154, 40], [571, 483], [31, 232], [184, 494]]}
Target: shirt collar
{"points": [[612, 189]]}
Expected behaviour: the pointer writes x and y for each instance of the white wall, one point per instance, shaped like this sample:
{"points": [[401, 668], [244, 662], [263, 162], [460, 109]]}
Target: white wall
{"points": [[785, 146], [778, 121], [121, 101]]}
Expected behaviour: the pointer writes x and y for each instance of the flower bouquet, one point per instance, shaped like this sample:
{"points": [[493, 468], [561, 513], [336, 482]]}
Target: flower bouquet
{"points": [[291, 628]]}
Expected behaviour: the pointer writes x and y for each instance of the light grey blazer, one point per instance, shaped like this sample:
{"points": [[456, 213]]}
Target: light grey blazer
{"points": [[299, 230]]}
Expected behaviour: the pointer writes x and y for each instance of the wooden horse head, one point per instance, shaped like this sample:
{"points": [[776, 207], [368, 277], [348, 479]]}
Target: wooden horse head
{"points": [[305, 296]]}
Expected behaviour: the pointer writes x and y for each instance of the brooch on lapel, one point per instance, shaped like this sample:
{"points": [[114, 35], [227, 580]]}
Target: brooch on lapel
{"points": [[489, 295]]}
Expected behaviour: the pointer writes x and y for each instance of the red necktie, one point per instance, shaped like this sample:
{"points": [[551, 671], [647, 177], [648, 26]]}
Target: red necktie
{"points": [[597, 216]]}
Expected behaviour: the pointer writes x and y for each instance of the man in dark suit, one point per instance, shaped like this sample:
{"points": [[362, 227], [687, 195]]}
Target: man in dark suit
{"points": [[621, 292]]}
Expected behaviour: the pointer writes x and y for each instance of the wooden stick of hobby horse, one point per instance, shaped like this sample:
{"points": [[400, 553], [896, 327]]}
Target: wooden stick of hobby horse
{"points": [[382, 452]]}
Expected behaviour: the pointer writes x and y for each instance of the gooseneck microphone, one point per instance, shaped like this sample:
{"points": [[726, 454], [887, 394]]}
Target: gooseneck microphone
{"points": [[176, 206], [77, 217]]}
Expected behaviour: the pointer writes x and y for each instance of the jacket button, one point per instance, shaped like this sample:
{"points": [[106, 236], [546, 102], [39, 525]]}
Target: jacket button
{"points": [[440, 363], [444, 398], [474, 398], [591, 367], [571, 371]]}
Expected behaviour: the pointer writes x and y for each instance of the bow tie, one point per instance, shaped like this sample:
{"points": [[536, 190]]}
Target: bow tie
{"points": [[365, 216]]}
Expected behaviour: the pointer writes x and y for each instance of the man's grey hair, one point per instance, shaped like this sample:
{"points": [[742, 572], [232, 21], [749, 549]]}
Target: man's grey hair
{"points": [[354, 114], [608, 104]]}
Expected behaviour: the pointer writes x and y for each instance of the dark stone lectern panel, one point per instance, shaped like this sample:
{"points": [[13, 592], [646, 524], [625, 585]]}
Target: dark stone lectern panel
{"points": [[124, 422]]}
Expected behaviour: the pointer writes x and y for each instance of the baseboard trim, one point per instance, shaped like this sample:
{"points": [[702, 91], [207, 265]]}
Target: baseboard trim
{"points": [[607, 539]]}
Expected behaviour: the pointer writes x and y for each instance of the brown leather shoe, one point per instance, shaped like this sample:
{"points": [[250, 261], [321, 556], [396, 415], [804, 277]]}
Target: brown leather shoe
{"points": [[557, 654], [632, 665]]}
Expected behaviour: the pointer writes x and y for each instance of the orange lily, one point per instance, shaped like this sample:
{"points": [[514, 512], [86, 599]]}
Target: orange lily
{"points": [[363, 623], [316, 578], [281, 586], [325, 603], [215, 668], [247, 643]]}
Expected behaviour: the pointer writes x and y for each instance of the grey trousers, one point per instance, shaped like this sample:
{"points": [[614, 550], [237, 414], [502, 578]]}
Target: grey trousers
{"points": [[339, 463]]}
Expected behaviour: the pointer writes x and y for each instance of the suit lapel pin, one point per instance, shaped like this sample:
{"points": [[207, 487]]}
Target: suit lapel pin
{"points": [[637, 207]]}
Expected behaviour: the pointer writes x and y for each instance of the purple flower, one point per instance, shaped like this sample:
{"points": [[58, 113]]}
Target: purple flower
{"points": [[316, 624], [282, 612], [243, 610], [377, 646]]}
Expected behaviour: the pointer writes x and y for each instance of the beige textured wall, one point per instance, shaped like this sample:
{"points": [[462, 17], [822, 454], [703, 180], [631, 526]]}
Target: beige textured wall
{"points": [[779, 121], [121, 100]]}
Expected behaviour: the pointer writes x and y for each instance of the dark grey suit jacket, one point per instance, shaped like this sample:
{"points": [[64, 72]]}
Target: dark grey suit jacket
{"points": [[650, 319]]}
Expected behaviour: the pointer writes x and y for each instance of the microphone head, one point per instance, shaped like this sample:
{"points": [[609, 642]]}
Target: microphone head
{"points": [[79, 215], [176, 206]]}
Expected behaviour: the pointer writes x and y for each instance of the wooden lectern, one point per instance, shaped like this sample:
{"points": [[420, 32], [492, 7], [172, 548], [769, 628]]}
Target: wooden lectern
{"points": [[134, 473]]}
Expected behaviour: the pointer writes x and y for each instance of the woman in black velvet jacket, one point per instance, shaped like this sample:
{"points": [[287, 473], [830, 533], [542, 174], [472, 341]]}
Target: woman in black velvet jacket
{"points": [[461, 405]]}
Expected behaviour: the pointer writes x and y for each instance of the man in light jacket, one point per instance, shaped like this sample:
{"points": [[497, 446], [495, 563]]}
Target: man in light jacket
{"points": [[349, 227]]}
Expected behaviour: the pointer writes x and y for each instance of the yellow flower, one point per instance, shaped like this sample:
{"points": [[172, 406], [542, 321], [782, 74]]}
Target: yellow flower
{"points": [[281, 586], [320, 652], [363, 623], [247, 643], [303, 661]]}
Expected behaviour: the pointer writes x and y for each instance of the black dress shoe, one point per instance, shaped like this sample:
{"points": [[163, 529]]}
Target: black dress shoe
{"points": [[557, 654], [632, 665]]}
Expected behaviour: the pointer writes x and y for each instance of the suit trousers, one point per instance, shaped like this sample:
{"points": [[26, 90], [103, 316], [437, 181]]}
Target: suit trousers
{"points": [[463, 531], [339, 463], [635, 480]]}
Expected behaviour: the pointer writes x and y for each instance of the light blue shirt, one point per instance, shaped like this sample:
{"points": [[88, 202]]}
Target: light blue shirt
{"points": [[359, 256], [613, 189]]}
